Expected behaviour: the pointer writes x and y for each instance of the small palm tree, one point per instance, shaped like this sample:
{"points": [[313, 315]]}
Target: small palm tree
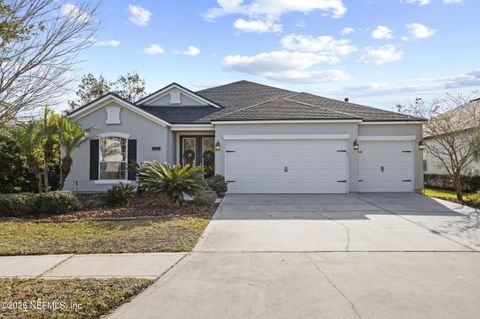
{"points": [[50, 139], [28, 138], [71, 136], [173, 181]]}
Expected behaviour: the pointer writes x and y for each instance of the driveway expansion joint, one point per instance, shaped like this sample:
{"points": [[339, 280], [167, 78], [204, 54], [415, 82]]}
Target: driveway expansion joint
{"points": [[54, 266]]}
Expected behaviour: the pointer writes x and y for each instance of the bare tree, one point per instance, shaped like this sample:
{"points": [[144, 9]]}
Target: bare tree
{"points": [[36, 67], [452, 134]]}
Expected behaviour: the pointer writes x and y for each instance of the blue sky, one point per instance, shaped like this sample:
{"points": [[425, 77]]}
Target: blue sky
{"points": [[376, 52]]}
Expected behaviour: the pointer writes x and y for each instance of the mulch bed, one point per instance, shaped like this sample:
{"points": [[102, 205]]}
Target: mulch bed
{"points": [[140, 207]]}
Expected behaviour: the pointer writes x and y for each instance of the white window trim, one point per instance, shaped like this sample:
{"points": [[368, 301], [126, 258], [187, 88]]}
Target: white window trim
{"points": [[267, 137], [114, 134], [115, 181], [112, 181]]}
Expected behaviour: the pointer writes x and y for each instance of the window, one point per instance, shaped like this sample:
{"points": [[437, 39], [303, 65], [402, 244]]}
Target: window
{"points": [[113, 158]]}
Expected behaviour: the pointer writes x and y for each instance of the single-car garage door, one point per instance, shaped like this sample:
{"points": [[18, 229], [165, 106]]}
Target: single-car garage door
{"points": [[286, 166], [386, 166]]}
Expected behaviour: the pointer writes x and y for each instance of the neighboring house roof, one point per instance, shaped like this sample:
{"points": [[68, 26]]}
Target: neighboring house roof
{"points": [[244, 100], [460, 119]]}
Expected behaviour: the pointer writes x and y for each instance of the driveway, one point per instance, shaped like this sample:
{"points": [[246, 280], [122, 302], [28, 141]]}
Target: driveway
{"points": [[339, 222], [325, 256]]}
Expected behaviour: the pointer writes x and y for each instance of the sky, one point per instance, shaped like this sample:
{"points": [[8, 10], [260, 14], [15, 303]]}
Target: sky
{"points": [[375, 52]]}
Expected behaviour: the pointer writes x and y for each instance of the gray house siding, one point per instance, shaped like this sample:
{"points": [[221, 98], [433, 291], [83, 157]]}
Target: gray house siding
{"points": [[146, 132]]}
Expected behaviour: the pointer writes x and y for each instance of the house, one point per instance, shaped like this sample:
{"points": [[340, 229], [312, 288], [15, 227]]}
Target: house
{"points": [[461, 123], [261, 138]]}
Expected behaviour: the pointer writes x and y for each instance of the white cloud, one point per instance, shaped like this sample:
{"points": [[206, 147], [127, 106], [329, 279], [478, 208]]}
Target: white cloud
{"points": [[452, 1], [347, 30], [191, 51], [274, 8], [139, 15], [440, 84], [381, 55], [74, 12], [419, 31], [382, 33], [420, 2], [326, 44], [154, 49], [106, 43], [285, 66], [258, 26], [301, 24]]}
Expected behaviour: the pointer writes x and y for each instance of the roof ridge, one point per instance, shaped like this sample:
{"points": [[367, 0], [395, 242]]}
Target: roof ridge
{"points": [[257, 104], [322, 107]]}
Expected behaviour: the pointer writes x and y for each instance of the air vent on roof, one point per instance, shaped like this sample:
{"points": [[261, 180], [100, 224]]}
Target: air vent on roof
{"points": [[346, 99]]}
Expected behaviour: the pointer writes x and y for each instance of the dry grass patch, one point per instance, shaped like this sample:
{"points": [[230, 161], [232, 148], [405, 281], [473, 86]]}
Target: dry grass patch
{"points": [[87, 237], [67, 298]]}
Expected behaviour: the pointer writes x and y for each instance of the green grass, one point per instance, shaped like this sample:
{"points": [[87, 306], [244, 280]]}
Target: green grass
{"points": [[67, 298], [87, 237], [471, 199]]}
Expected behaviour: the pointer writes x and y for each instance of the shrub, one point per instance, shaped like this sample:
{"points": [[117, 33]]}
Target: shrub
{"points": [[173, 181], [119, 195], [56, 202], [444, 181], [23, 204], [16, 205], [205, 198], [217, 183]]}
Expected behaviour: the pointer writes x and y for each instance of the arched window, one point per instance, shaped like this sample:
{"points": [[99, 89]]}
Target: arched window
{"points": [[113, 158]]}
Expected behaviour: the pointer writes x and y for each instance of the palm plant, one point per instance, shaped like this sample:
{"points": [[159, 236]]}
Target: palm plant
{"points": [[50, 136], [173, 181], [71, 136], [28, 138]]}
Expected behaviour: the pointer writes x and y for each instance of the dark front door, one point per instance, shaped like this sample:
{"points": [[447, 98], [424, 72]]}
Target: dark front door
{"points": [[198, 150]]}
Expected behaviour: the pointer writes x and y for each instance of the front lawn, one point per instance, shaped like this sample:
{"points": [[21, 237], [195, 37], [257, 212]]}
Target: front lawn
{"points": [[67, 298], [95, 236], [470, 199]]}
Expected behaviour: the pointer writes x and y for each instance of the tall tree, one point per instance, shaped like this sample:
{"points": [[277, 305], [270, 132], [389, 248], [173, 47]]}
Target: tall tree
{"points": [[129, 86], [452, 133], [71, 136], [41, 40]]}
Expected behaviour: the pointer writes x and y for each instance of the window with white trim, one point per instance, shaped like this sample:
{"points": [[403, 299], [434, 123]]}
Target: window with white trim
{"points": [[113, 158]]}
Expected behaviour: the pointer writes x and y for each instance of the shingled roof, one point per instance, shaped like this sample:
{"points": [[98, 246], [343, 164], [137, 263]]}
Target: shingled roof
{"points": [[244, 100]]}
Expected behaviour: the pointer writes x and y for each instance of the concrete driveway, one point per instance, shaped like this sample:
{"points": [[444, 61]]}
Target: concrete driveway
{"points": [[325, 256], [339, 222]]}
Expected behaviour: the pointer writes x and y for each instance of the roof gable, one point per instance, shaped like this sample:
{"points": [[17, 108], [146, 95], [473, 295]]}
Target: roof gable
{"points": [[107, 99], [175, 95]]}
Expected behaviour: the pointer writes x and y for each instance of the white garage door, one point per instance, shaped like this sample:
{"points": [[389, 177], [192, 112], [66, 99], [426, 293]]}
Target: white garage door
{"points": [[386, 166], [286, 166]]}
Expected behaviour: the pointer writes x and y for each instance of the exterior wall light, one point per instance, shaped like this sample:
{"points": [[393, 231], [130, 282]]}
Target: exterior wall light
{"points": [[217, 146], [421, 146], [356, 146]]}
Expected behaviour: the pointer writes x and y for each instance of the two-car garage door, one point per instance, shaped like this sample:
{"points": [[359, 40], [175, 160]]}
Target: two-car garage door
{"points": [[287, 166], [316, 165]]}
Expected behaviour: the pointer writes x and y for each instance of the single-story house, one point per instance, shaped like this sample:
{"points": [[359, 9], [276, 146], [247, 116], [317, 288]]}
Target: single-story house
{"points": [[462, 123], [263, 139]]}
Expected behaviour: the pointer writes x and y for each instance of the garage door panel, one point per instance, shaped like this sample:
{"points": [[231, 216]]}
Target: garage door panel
{"points": [[396, 159], [313, 166]]}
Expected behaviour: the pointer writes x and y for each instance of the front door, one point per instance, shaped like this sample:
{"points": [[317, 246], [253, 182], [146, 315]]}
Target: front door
{"points": [[198, 150]]}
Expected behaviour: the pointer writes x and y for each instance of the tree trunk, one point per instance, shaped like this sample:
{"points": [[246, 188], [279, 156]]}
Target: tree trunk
{"points": [[60, 184], [45, 177], [458, 187], [65, 167], [39, 183]]}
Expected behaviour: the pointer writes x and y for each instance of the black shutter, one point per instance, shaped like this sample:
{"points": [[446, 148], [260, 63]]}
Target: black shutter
{"points": [[132, 159], [94, 158]]}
